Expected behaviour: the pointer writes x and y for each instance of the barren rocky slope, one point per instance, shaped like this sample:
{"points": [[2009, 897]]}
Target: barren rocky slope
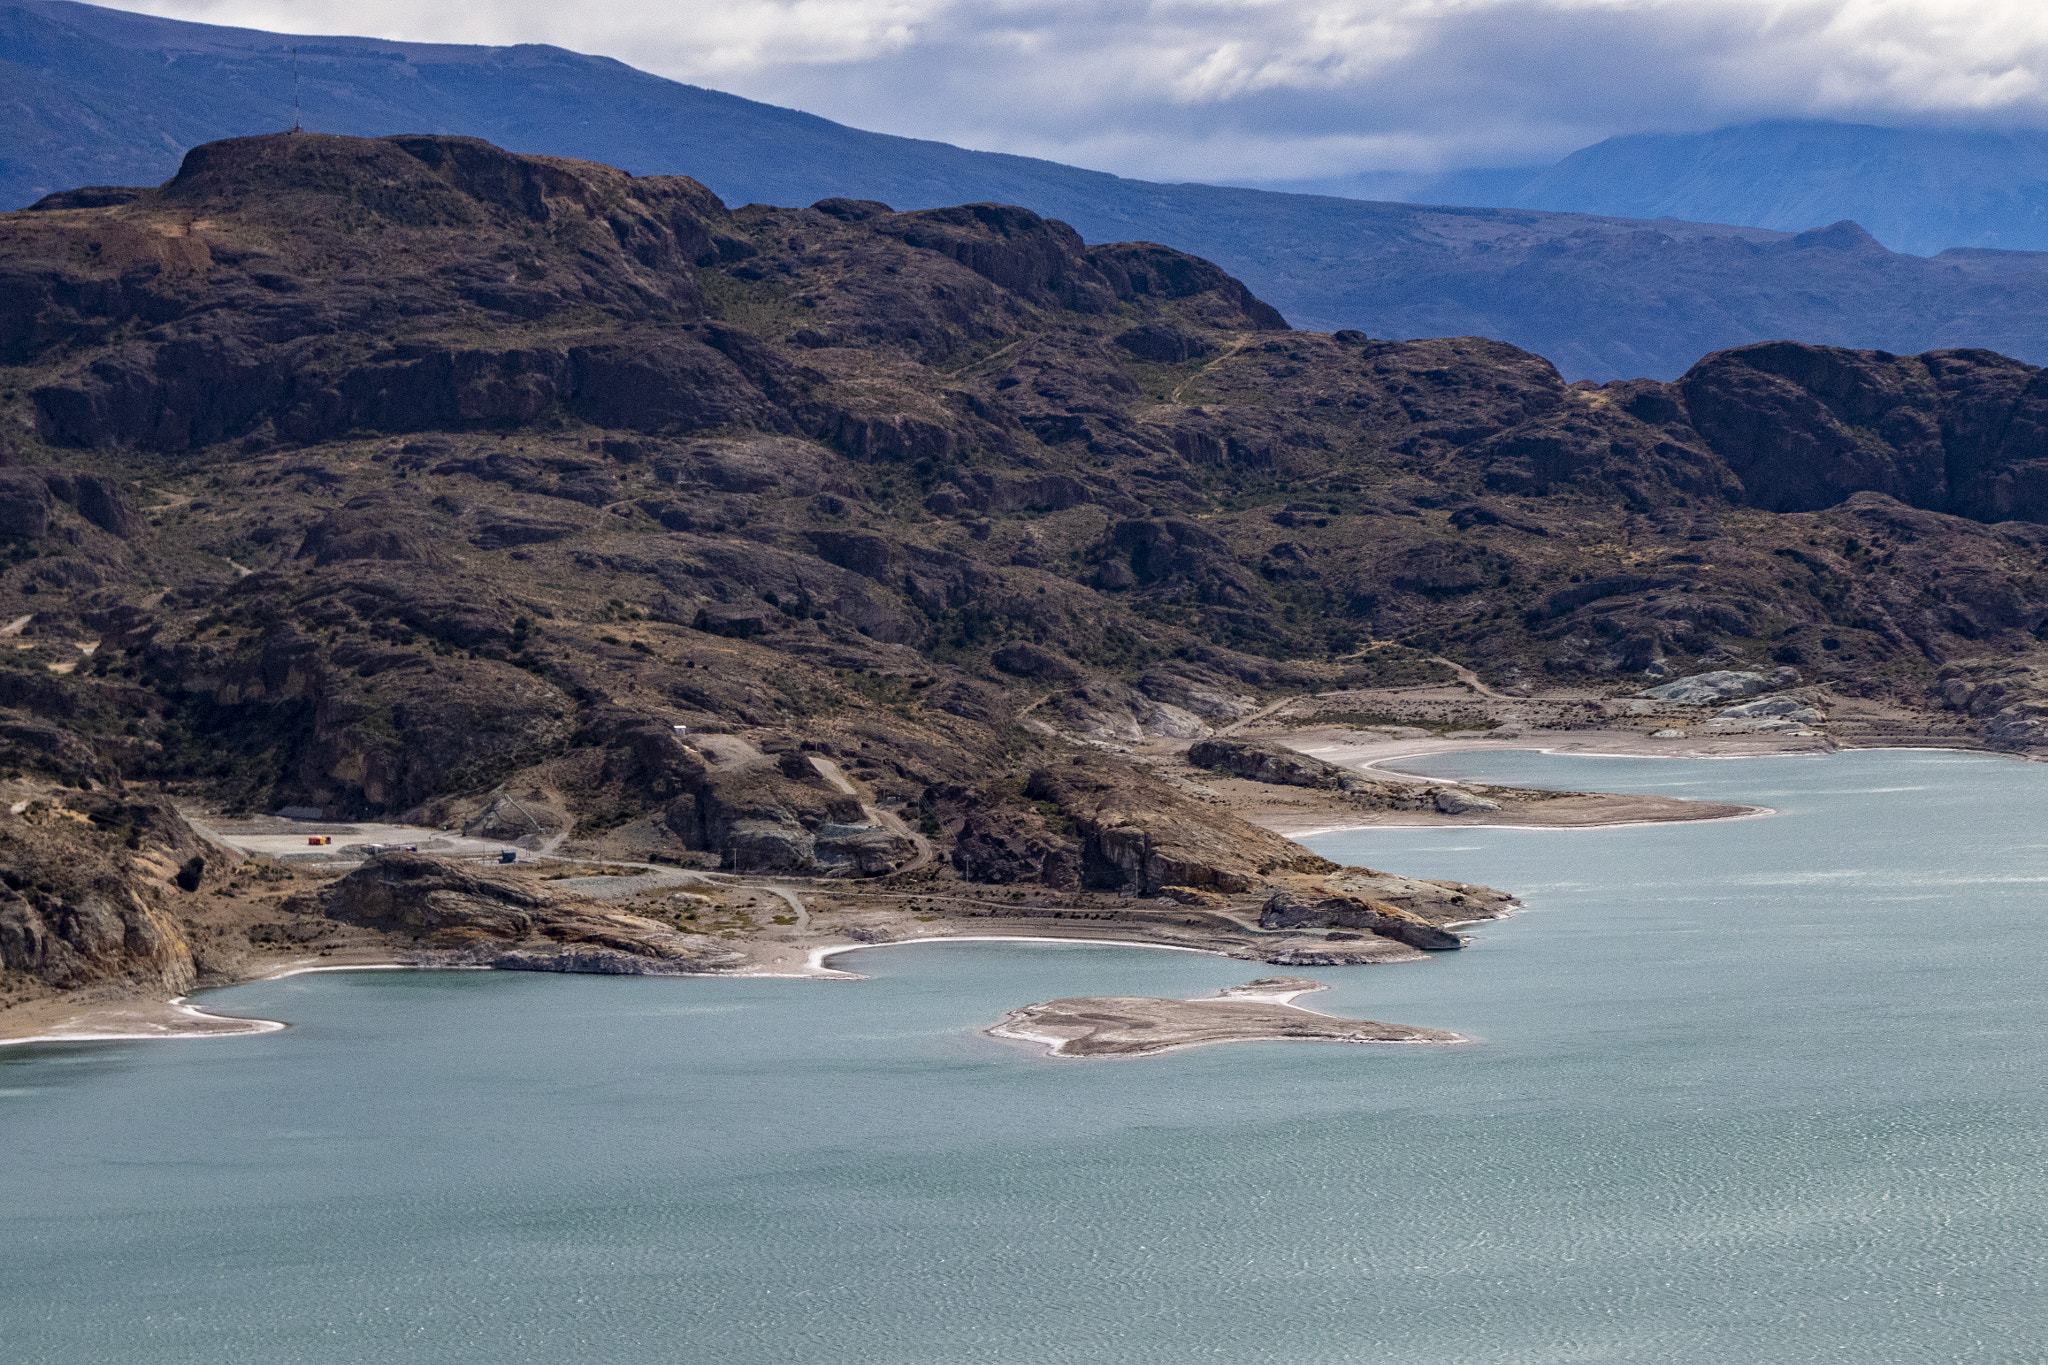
{"points": [[409, 477]]}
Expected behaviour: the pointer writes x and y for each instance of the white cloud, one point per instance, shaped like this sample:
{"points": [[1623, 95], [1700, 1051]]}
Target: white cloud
{"points": [[1276, 89]]}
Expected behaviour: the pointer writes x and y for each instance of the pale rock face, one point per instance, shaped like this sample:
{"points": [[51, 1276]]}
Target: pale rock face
{"points": [[1218, 705], [2006, 696], [2019, 726], [1109, 711], [1106, 725], [1720, 685], [1779, 707], [1170, 722]]}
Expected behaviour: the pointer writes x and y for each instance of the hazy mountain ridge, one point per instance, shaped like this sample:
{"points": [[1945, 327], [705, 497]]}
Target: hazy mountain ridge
{"points": [[1919, 190], [102, 96], [1916, 190]]}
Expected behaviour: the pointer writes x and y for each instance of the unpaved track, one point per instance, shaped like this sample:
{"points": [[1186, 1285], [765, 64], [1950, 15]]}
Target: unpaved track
{"points": [[1471, 679], [1260, 714], [1182, 387]]}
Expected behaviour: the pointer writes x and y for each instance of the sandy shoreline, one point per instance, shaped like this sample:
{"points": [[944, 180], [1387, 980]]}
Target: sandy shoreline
{"points": [[1591, 811], [819, 955], [1558, 827], [1299, 812], [178, 1017], [136, 1020], [1105, 1027]]}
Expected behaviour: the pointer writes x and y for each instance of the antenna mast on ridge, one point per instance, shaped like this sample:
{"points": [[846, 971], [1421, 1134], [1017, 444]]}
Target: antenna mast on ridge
{"points": [[295, 90]]}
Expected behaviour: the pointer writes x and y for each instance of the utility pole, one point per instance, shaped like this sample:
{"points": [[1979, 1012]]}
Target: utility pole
{"points": [[295, 90]]}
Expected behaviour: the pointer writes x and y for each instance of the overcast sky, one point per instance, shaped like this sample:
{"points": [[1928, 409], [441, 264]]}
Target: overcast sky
{"points": [[1275, 89]]}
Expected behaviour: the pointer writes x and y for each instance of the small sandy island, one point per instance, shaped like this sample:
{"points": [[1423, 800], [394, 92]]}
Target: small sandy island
{"points": [[1138, 1026]]}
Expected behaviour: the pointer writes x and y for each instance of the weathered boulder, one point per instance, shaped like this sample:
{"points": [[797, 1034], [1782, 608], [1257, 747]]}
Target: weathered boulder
{"points": [[25, 504], [37, 745], [597, 960], [1167, 344], [413, 893], [1008, 842], [739, 620], [359, 532], [99, 499], [1452, 801], [502, 528], [1439, 902], [2022, 725]]}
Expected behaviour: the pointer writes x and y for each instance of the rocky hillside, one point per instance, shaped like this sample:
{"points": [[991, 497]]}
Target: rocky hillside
{"points": [[389, 476]]}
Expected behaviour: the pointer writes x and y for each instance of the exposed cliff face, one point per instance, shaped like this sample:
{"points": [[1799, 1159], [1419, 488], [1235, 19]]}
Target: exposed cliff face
{"points": [[382, 473], [1289, 910], [88, 889], [1136, 836]]}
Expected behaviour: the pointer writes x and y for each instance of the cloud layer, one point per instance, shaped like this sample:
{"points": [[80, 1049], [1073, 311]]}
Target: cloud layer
{"points": [[1274, 90]]}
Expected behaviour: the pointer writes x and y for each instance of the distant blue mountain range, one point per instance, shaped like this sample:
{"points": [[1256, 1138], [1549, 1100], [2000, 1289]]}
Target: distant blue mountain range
{"points": [[1920, 190], [99, 96]]}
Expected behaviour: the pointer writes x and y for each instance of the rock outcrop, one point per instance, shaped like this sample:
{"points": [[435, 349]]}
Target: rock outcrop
{"points": [[1457, 801], [502, 921], [1263, 761], [89, 886], [1773, 712], [2009, 698], [1290, 910], [1720, 685], [1139, 835], [1438, 902]]}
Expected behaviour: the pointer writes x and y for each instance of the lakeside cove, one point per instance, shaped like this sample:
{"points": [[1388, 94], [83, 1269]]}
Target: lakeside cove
{"points": [[571, 910], [1816, 1037]]}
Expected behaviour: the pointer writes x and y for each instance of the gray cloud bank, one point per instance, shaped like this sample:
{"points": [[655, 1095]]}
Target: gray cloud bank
{"points": [[1264, 91]]}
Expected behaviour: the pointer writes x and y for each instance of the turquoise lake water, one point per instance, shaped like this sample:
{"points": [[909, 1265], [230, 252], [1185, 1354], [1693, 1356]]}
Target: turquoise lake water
{"points": [[1762, 1090]]}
